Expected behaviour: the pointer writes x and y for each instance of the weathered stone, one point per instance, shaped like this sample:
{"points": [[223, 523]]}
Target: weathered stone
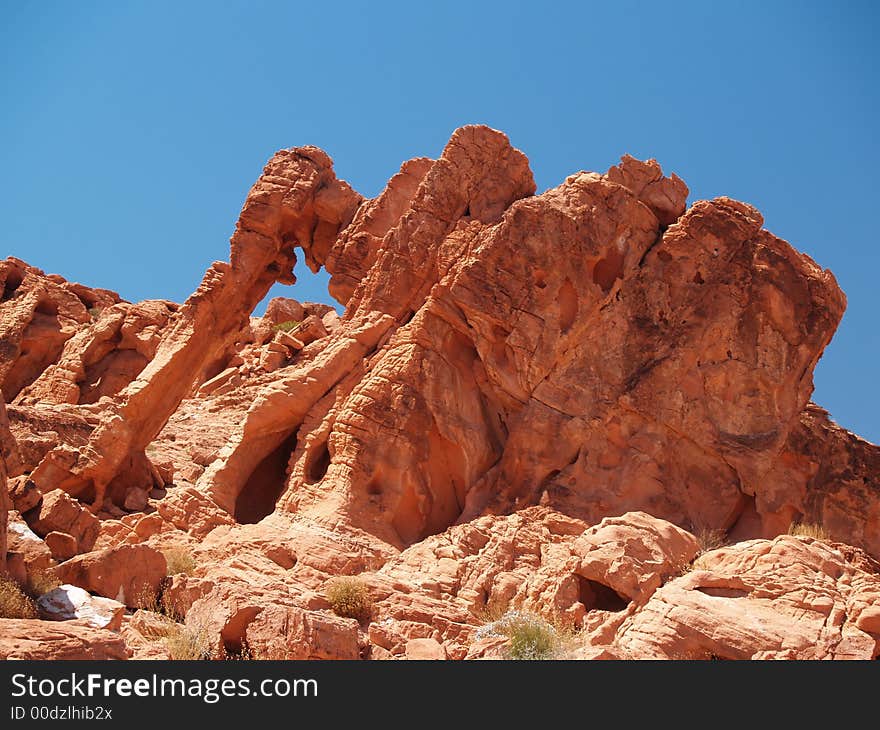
{"points": [[59, 512], [32, 639], [61, 545], [540, 403], [130, 574], [68, 602]]}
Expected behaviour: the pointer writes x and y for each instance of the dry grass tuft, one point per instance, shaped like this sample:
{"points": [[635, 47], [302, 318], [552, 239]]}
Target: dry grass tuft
{"points": [[41, 582], [14, 602], [188, 643], [180, 561], [808, 529], [349, 597], [710, 540]]}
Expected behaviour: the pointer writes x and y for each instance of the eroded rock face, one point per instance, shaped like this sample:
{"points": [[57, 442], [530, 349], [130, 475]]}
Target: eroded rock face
{"points": [[789, 598], [531, 402], [39, 313]]}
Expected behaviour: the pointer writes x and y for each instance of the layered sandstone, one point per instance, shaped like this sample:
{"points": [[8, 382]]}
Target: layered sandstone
{"points": [[539, 402]]}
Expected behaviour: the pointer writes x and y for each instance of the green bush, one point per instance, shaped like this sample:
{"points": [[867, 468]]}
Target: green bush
{"points": [[529, 637]]}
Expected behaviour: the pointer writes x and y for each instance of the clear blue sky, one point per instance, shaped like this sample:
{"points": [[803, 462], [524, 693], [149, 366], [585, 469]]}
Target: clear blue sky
{"points": [[131, 132]]}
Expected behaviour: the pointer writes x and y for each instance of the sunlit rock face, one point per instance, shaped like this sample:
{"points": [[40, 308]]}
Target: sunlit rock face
{"points": [[542, 402]]}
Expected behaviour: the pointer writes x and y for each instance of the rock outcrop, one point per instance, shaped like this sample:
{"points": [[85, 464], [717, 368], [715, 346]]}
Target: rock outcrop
{"points": [[540, 402]]}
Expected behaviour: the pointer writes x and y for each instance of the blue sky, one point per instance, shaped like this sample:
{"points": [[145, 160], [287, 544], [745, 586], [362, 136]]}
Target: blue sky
{"points": [[131, 132]]}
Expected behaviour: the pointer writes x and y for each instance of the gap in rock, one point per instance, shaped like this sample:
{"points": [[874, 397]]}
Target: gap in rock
{"points": [[595, 595], [14, 278], [318, 463], [260, 494], [309, 287], [47, 307]]}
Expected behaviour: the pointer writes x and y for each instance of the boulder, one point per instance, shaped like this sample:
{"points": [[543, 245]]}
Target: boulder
{"points": [[33, 639], [68, 602], [130, 574], [59, 512]]}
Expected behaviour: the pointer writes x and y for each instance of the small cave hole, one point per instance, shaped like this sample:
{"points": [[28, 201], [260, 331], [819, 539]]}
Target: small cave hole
{"points": [[318, 464], [608, 270], [407, 317], [597, 596], [467, 211], [47, 307], [14, 278], [698, 278], [213, 369], [260, 494], [87, 301], [374, 489], [568, 306]]}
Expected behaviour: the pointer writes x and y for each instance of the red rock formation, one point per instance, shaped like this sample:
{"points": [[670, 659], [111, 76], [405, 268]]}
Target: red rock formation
{"points": [[10, 465], [531, 402], [39, 313], [789, 598], [104, 357], [296, 200]]}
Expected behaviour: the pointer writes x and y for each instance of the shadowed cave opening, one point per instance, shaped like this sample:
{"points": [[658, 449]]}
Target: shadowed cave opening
{"points": [[596, 595], [14, 278], [318, 464], [47, 307], [260, 493]]}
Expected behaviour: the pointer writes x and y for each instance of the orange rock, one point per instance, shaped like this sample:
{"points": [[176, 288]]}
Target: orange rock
{"points": [[25, 550], [789, 598], [60, 513], [61, 545], [38, 314], [530, 402], [632, 555], [32, 639], [9, 466], [130, 574], [24, 494], [422, 649], [104, 357]]}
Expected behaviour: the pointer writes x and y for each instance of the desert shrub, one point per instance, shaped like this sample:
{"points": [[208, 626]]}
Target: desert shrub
{"points": [[95, 312], [14, 602], [160, 603], [287, 326], [187, 643], [245, 653], [529, 636], [179, 560], [808, 529], [41, 582], [349, 597], [710, 540]]}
